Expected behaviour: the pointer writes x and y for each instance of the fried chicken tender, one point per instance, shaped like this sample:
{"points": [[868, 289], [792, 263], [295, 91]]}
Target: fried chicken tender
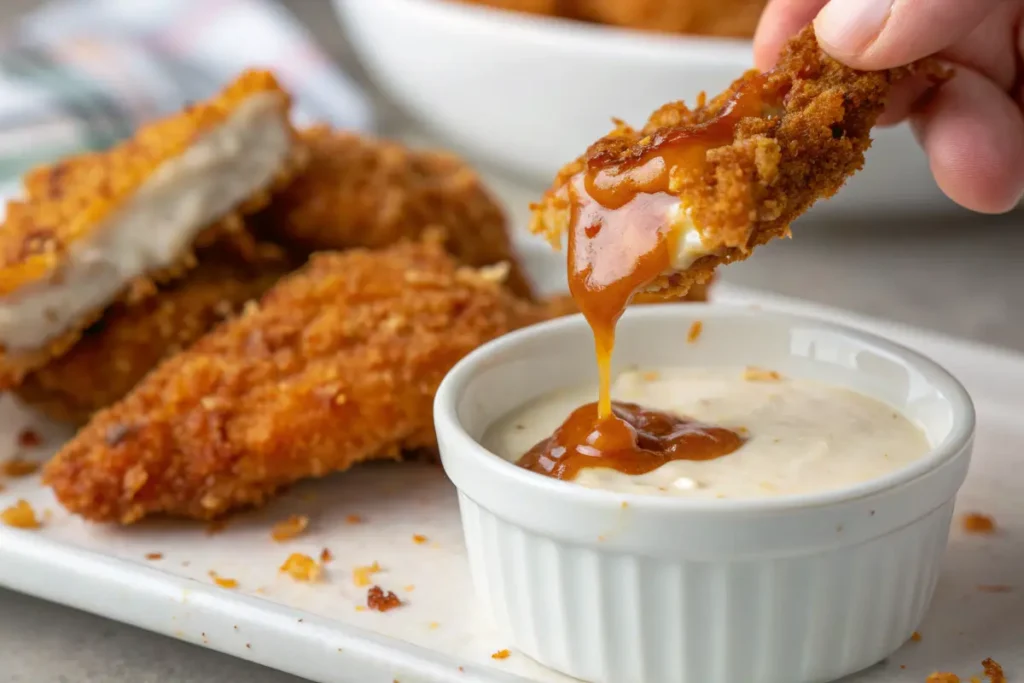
{"points": [[336, 365], [363, 192], [100, 227], [732, 173], [132, 337]]}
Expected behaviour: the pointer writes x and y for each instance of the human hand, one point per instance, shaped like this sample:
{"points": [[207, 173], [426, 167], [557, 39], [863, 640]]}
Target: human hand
{"points": [[972, 128]]}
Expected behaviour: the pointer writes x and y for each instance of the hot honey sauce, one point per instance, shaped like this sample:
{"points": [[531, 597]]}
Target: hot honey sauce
{"points": [[621, 239]]}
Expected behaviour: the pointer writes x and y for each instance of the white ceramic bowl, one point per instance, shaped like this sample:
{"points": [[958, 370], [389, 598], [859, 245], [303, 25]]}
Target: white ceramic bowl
{"points": [[530, 93], [616, 588]]}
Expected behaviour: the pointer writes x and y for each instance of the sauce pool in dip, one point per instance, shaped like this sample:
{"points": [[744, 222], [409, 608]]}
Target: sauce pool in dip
{"points": [[798, 436]]}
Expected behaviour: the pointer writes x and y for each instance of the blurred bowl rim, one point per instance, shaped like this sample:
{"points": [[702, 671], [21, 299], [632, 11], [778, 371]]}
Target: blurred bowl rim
{"points": [[572, 34]]}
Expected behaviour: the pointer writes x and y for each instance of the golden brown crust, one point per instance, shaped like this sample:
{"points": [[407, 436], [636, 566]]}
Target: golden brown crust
{"points": [[66, 201], [750, 191], [364, 192], [337, 364], [132, 337]]}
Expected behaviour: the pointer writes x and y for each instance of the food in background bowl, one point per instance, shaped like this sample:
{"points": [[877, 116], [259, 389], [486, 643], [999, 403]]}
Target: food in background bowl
{"points": [[725, 18]]}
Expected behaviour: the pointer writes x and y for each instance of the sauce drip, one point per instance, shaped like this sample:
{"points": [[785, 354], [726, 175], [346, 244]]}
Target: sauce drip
{"points": [[620, 240], [620, 237], [635, 440]]}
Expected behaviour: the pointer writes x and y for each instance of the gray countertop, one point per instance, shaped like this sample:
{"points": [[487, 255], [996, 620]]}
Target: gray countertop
{"points": [[960, 276]]}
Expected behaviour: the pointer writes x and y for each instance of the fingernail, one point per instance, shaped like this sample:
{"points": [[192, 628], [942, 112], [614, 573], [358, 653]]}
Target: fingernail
{"points": [[847, 27]]}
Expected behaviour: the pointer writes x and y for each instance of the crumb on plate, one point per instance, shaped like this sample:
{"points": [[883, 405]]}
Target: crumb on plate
{"points": [[301, 567], [326, 556], [353, 519], [222, 581], [20, 516], [501, 654], [915, 636], [154, 556], [289, 528], [377, 599], [695, 329], [361, 575], [752, 374], [977, 523], [993, 671], [419, 539], [19, 467], [942, 677]]}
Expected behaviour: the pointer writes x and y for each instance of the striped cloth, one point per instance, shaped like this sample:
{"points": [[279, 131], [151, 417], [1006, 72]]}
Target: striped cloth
{"points": [[82, 74]]}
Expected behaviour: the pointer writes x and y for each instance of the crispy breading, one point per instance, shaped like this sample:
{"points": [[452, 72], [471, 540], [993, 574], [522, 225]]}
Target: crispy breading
{"points": [[336, 365], [132, 337], [66, 202], [812, 135], [360, 191]]}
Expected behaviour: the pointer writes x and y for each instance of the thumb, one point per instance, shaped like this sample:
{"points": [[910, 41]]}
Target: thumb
{"points": [[881, 34]]}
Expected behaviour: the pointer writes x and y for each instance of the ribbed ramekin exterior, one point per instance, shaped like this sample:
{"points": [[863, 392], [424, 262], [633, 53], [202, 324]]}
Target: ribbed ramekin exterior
{"points": [[613, 618]]}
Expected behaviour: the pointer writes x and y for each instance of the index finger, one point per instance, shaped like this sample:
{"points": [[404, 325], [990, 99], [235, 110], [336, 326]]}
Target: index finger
{"points": [[780, 21]]}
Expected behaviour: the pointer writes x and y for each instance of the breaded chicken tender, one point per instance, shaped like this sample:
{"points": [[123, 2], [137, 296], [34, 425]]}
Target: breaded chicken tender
{"points": [[337, 364], [100, 227], [707, 185], [132, 337], [359, 191]]}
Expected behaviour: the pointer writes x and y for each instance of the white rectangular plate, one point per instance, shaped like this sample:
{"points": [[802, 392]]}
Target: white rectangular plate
{"points": [[319, 630]]}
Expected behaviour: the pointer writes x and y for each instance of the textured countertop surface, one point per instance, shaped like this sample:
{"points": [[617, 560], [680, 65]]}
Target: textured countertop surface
{"points": [[961, 275]]}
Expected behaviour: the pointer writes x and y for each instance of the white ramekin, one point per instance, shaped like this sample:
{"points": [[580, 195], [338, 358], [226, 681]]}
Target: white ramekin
{"points": [[616, 588]]}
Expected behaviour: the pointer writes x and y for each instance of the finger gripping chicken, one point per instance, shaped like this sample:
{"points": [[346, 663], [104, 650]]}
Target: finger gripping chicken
{"points": [[337, 364]]}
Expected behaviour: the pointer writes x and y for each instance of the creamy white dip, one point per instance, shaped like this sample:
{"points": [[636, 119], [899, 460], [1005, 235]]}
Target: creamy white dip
{"points": [[156, 226], [802, 436]]}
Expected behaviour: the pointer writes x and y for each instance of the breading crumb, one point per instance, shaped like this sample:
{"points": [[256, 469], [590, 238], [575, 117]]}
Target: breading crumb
{"points": [[19, 467], [501, 654], [993, 671], [289, 528], [326, 556], [301, 567], [224, 582], [377, 599], [154, 556], [695, 329], [353, 519], [20, 515], [419, 539], [942, 677], [752, 374], [916, 637], [361, 575], [977, 523]]}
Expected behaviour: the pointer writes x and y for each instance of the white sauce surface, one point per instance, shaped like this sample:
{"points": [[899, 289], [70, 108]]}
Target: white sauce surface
{"points": [[803, 436], [155, 227]]}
